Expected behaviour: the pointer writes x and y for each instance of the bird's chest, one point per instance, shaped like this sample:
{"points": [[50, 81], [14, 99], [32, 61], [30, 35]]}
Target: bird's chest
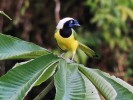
{"points": [[64, 43]]}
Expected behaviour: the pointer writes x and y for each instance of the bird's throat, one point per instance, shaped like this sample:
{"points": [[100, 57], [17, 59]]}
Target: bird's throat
{"points": [[65, 32]]}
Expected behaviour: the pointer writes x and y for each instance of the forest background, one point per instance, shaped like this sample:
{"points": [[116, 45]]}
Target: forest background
{"points": [[106, 27]]}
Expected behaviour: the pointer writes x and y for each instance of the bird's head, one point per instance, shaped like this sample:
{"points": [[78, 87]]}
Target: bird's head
{"points": [[67, 23]]}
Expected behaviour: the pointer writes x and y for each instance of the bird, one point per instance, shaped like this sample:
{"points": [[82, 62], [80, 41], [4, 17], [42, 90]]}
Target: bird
{"points": [[65, 36]]}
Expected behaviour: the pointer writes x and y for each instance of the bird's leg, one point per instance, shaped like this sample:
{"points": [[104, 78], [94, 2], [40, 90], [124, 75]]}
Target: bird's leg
{"points": [[68, 60], [61, 55], [73, 54], [72, 60]]}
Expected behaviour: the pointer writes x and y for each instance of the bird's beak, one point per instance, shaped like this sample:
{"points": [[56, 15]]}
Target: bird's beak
{"points": [[74, 24], [77, 25]]}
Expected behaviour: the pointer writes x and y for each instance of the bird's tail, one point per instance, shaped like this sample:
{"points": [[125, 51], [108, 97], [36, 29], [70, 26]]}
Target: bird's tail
{"points": [[89, 52]]}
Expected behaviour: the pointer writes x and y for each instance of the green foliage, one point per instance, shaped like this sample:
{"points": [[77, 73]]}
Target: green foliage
{"points": [[121, 87], [102, 85], [113, 29], [19, 80], [111, 18], [71, 84], [14, 48], [72, 81]]}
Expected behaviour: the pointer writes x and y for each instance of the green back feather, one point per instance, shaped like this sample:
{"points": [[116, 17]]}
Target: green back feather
{"points": [[89, 52], [74, 33]]}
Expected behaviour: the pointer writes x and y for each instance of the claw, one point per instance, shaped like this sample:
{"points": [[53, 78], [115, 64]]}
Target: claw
{"points": [[69, 60]]}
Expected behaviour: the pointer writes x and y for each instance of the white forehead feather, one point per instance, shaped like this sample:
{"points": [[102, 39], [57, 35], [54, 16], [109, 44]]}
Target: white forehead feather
{"points": [[61, 22]]}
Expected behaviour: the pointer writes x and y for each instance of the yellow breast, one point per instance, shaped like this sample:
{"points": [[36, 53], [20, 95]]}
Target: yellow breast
{"points": [[66, 43]]}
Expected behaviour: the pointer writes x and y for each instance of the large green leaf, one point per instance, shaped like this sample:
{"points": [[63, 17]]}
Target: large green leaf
{"points": [[15, 84], [102, 85], [124, 90], [48, 73], [69, 85], [14, 48], [73, 85], [91, 91]]}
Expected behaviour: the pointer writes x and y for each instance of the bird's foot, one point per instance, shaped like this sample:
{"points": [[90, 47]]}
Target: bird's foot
{"points": [[69, 60], [61, 56]]}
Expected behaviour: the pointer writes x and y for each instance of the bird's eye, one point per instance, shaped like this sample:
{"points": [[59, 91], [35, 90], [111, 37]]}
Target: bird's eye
{"points": [[71, 21]]}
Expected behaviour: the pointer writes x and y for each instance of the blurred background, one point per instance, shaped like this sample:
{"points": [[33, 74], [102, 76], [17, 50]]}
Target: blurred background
{"points": [[106, 27]]}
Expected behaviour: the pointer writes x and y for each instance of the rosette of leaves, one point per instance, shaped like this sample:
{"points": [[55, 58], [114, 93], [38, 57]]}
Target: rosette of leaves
{"points": [[72, 81]]}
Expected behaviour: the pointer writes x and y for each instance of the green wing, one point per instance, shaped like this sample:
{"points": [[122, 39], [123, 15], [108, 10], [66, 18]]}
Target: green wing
{"points": [[88, 51], [74, 33]]}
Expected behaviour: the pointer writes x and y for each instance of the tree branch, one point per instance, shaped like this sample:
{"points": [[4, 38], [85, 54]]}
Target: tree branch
{"points": [[57, 10]]}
